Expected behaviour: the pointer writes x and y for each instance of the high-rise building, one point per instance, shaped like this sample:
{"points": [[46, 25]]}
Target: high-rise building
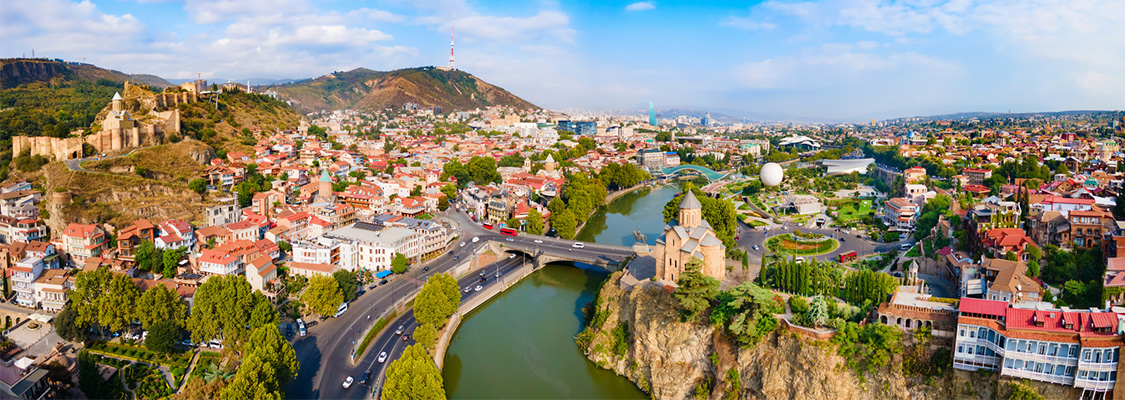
{"points": [[706, 120], [651, 114]]}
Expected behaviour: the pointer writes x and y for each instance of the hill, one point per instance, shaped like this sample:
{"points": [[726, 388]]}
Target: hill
{"points": [[18, 71], [362, 88]]}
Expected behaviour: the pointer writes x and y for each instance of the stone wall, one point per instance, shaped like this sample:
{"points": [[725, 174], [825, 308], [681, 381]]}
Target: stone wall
{"points": [[59, 148]]}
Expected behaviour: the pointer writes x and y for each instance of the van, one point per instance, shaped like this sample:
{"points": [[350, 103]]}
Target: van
{"points": [[301, 327], [476, 239], [340, 311], [905, 246]]}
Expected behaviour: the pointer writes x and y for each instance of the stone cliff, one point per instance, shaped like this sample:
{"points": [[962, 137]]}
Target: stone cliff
{"points": [[637, 333], [15, 72]]}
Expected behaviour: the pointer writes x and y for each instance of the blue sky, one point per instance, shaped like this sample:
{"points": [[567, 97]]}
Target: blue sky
{"points": [[831, 60]]}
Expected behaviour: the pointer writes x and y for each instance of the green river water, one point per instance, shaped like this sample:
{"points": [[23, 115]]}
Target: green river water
{"points": [[520, 344]]}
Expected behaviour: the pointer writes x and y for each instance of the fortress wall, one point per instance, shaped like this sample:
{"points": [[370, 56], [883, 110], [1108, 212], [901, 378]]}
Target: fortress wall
{"points": [[59, 148]]}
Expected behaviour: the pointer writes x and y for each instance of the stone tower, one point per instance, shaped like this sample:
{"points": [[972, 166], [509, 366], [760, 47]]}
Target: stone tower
{"points": [[325, 188], [549, 164], [118, 102], [691, 211]]}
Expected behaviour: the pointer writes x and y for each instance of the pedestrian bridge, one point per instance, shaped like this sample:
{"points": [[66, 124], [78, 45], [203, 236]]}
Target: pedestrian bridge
{"points": [[689, 168], [608, 257]]}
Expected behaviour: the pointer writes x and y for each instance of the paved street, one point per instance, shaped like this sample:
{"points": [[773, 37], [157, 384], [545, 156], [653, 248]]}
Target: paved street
{"points": [[750, 237], [325, 354]]}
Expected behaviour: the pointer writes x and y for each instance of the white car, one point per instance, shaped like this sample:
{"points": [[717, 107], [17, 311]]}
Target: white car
{"points": [[468, 289], [757, 248], [462, 244], [478, 288], [578, 245], [512, 256], [382, 357], [538, 241], [348, 382]]}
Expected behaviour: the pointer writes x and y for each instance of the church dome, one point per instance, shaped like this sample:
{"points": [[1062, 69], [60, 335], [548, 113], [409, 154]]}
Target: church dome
{"points": [[690, 202]]}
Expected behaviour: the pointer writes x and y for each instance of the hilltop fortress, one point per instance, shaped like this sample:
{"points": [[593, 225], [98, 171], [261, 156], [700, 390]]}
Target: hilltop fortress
{"points": [[129, 121]]}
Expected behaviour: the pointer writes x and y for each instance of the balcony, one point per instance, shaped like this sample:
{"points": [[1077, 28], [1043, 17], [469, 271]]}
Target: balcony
{"points": [[1039, 376], [1071, 361], [1094, 385], [1093, 366]]}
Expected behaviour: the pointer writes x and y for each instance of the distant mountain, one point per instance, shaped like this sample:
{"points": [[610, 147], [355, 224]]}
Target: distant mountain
{"points": [[964, 116], [253, 81], [18, 71], [363, 88]]}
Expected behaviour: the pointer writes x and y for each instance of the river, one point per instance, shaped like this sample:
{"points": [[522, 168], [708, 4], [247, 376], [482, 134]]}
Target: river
{"points": [[521, 345]]}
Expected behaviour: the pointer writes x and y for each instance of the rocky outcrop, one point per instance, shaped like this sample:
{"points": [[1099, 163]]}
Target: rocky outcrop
{"points": [[670, 359], [16, 72]]}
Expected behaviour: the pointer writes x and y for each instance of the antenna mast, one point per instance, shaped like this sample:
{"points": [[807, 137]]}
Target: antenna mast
{"points": [[452, 65]]}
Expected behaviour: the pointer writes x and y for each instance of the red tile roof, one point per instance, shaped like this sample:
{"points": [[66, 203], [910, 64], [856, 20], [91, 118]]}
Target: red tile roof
{"points": [[987, 307]]}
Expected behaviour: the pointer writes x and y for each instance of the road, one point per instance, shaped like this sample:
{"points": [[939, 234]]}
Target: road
{"points": [[393, 344], [325, 354], [75, 164], [750, 237]]}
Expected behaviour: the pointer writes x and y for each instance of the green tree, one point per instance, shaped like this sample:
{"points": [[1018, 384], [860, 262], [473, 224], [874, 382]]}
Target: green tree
{"points": [[172, 259], [437, 300], [818, 311], [399, 263], [256, 379], [348, 283], [482, 170], [67, 326], [117, 306], [274, 349], [695, 290], [413, 376], [162, 336], [534, 222], [227, 307], [198, 185], [142, 254], [426, 334], [159, 303], [892, 236], [323, 295], [450, 191], [443, 203], [1032, 269], [564, 224]]}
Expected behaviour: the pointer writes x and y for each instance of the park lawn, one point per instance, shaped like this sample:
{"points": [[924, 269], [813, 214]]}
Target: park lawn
{"points": [[914, 252], [851, 209]]}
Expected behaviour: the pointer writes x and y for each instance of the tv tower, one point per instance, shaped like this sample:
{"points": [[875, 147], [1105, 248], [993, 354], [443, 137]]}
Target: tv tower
{"points": [[452, 65]]}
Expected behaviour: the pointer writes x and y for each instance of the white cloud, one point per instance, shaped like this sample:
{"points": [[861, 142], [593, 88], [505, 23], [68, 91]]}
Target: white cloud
{"points": [[747, 24], [549, 23], [640, 6]]}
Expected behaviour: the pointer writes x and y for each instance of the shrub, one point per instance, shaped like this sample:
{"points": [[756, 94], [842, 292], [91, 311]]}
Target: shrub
{"points": [[798, 304]]}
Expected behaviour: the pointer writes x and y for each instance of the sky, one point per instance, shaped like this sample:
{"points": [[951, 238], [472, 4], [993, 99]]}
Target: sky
{"points": [[831, 60]]}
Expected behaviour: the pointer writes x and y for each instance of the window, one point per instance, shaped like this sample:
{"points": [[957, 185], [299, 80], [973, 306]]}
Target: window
{"points": [[1074, 350], [1008, 363], [970, 349], [1086, 355], [1054, 350], [960, 349], [1042, 348], [1069, 371], [1081, 374], [961, 333]]}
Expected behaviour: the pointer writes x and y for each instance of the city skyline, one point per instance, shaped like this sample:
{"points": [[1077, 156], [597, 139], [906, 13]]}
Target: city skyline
{"points": [[773, 60]]}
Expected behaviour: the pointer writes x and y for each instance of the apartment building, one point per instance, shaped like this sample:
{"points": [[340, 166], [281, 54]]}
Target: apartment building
{"points": [[1087, 228], [23, 276], [1077, 348], [84, 241], [52, 287], [900, 214], [216, 262], [21, 230], [976, 175]]}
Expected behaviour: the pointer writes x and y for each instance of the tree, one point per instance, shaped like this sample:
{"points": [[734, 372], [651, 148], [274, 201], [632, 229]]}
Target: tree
{"points": [[142, 254], [172, 259], [256, 379], [443, 203], [513, 223], [437, 300], [348, 283], [267, 343], [89, 287], [162, 336], [564, 224], [450, 191], [227, 306], [534, 222], [1032, 269], [1063, 170], [426, 334], [1011, 256], [67, 326], [117, 306], [892, 236], [198, 185], [695, 290], [818, 311], [482, 170], [159, 303], [399, 263], [323, 295], [413, 376]]}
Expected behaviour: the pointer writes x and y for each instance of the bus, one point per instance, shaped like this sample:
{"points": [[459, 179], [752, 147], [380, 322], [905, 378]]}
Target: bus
{"points": [[487, 226], [845, 257], [508, 231]]}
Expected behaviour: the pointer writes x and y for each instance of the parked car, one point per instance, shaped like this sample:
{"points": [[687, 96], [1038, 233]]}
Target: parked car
{"points": [[383, 282]]}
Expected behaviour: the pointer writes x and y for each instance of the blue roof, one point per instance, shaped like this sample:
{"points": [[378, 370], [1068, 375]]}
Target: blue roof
{"points": [[382, 274]]}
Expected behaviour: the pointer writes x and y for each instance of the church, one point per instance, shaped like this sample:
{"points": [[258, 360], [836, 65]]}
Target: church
{"points": [[686, 237]]}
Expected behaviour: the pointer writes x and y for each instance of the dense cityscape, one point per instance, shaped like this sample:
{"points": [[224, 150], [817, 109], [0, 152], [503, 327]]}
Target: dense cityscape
{"points": [[420, 233]]}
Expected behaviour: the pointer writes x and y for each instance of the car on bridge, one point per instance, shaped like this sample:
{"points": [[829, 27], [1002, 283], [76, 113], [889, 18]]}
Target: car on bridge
{"points": [[578, 245]]}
